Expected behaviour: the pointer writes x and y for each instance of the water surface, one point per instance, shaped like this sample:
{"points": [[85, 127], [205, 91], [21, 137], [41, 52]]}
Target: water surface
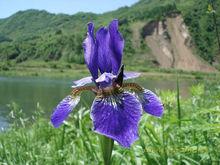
{"points": [[28, 92]]}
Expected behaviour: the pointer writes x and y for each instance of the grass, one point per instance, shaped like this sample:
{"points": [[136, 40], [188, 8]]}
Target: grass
{"points": [[43, 69], [57, 69], [161, 141]]}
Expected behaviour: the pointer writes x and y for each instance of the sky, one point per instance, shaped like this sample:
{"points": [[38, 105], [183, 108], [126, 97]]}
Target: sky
{"points": [[9, 7]]}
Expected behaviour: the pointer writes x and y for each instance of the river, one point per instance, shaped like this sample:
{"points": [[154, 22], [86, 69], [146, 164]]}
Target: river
{"points": [[47, 92]]}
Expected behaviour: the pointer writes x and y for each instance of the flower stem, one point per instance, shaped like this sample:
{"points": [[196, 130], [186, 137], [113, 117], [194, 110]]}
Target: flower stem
{"points": [[178, 101], [107, 147]]}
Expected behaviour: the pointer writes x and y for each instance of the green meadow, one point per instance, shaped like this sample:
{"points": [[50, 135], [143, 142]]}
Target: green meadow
{"points": [[58, 69], [188, 133]]}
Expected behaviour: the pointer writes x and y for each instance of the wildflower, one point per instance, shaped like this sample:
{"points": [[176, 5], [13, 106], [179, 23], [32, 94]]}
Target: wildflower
{"points": [[117, 107]]}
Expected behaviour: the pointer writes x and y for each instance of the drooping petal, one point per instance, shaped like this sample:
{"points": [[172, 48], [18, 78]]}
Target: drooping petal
{"points": [[90, 51], [63, 109], [116, 46], [151, 103], [82, 82], [117, 117], [103, 50], [105, 79], [131, 75]]}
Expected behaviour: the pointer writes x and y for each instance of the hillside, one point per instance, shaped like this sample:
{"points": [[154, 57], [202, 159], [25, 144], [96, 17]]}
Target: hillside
{"points": [[34, 34], [170, 44]]}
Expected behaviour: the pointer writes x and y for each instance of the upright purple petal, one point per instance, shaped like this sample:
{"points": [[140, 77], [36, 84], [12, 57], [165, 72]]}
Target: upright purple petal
{"points": [[103, 50], [151, 103], [116, 46], [90, 52], [63, 109], [117, 117]]}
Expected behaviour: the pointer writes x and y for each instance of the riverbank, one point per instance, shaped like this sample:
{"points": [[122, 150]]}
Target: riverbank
{"points": [[67, 70]]}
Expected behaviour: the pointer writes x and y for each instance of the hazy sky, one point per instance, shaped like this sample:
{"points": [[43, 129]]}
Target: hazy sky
{"points": [[9, 7]]}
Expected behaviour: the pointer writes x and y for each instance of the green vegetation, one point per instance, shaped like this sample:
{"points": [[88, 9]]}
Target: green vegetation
{"points": [[162, 141], [59, 69], [202, 28], [39, 68], [32, 34]]}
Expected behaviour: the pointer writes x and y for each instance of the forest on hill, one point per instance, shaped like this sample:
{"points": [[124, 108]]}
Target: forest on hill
{"points": [[34, 34]]}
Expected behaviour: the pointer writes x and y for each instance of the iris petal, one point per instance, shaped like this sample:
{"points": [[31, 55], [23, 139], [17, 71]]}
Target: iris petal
{"points": [[90, 51], [103, 40], [63, 109], [151, 103], [117, 117], [116, 46], [82, 82], [131, 75], [105, 79]]}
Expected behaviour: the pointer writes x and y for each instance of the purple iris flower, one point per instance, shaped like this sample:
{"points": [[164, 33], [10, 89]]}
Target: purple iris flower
{"points": [[117, 107]]}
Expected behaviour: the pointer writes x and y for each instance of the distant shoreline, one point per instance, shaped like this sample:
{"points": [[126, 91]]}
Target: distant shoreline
{"points": [[68, 70]]}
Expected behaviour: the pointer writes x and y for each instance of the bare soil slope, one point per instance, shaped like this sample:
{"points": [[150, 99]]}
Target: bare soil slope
{"points": [[170, 44]]}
